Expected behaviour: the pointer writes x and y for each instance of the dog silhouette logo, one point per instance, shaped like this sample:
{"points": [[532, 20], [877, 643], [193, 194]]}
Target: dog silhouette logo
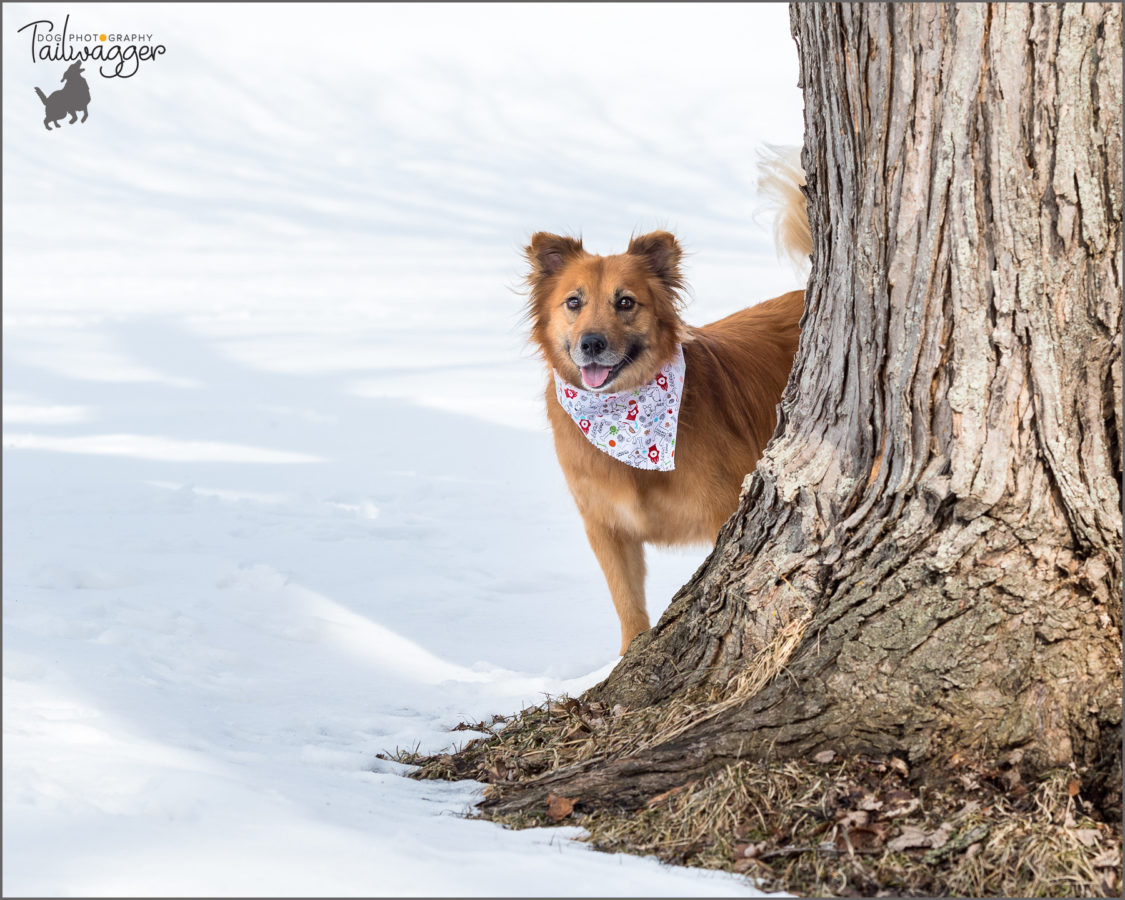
{"points": [[74, 97]]}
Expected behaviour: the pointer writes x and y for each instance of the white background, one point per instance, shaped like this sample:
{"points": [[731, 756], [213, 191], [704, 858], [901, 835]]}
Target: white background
{"points": [[278, 489]]}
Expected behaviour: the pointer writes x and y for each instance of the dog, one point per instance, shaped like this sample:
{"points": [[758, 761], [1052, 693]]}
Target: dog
{"points": [[656, 423], [74, 97]]}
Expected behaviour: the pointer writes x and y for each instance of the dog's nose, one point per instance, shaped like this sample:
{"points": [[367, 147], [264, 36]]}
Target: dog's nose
{"points": [[593, 344]]}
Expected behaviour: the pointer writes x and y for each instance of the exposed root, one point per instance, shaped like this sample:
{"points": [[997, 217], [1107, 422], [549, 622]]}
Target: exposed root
{"points": [[566, 731]]}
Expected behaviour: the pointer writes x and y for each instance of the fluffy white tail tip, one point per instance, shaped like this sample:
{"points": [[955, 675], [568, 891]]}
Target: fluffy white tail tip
{"points": [[780, 179]]}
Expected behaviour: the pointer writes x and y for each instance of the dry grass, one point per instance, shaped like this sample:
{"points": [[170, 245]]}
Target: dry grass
{"points": [[861, 829], [858, 827]]}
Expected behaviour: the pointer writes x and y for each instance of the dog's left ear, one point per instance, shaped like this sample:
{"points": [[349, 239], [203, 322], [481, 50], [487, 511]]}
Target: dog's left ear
{"points": [[548, 253], [661, 254]]}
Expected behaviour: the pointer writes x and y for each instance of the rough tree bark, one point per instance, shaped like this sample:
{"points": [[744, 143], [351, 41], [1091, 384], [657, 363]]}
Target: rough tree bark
{"points": [[928, 557]]}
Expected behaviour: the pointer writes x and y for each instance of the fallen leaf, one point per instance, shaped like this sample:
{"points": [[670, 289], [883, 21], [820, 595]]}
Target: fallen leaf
{"points": [[563, 707], [558, 808], [854, 819], [1073, 787], [1087, 837], [1110, 859], [860, 840], [824, 757], [906, 808], [938, 838], [578, 728], [750, 850], [900, 766], [910, 837]]}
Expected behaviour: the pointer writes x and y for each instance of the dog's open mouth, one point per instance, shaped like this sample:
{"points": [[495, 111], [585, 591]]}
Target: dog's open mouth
{"points": [[596, 376]]}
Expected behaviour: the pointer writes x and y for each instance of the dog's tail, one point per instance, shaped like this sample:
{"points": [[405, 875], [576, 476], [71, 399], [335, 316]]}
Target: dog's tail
{"points": [[42, 96], [780, 179]]}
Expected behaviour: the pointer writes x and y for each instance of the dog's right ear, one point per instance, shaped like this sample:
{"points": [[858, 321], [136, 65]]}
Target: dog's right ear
{"points": [[548, 253]]}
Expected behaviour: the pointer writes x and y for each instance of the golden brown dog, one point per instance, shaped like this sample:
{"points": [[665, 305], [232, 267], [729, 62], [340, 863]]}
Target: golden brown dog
{"points": [[609, 324]]}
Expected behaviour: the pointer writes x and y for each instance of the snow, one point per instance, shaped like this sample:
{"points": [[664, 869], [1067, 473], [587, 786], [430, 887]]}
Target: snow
{"points": [[278, 489]]}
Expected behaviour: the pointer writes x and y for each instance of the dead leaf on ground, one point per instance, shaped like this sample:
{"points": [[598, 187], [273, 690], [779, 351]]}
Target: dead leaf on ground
{"points": [[912, 837], [862, 839], [558, 808], [1110, 859], [824, 757], [1087, 837], [564, 707], [899, 803], [578, 728], [854, 818], [749, 850], [938, 838]]}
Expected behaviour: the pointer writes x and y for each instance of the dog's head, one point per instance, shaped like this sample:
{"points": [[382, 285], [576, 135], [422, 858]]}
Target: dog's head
{"points": [[74, 71], [605, 323]]}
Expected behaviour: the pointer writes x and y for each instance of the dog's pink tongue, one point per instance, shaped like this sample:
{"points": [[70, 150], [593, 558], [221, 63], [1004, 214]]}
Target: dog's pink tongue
{"points": [[594, 376]]}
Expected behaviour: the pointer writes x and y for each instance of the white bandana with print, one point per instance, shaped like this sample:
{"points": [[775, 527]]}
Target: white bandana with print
{"points": [[637, 427]]}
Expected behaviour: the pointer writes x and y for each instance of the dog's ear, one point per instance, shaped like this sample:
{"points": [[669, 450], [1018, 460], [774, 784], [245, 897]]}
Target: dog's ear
{"points": [[661, 254], [548, 253]]}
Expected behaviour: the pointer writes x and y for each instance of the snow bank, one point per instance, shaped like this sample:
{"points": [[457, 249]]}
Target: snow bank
{"points": [[278, 491]]}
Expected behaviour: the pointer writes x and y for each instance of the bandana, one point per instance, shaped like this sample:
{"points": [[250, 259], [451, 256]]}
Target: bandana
{"points": [[637, 427]]}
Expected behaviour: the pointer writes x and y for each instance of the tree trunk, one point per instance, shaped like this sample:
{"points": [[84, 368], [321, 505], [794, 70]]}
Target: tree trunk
{"points": [[927, 559]]}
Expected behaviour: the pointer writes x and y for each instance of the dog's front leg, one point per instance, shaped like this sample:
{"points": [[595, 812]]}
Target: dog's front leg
{"points": [[622, 559]]}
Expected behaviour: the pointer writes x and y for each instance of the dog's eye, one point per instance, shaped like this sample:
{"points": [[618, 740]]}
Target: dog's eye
{"points": [[626, 302], [573, 302]]}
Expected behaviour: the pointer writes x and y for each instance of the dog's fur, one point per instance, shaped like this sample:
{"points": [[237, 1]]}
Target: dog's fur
{"points": [[736, 370]]}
